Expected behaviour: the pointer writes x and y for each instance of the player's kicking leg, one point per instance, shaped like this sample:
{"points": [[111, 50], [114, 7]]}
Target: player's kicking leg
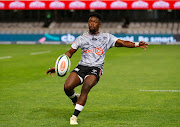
{"points": [[71, 82], [89, 82]]}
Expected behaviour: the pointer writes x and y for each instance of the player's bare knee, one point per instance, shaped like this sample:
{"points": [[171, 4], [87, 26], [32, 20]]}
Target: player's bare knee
{"points": [[67, 87]]}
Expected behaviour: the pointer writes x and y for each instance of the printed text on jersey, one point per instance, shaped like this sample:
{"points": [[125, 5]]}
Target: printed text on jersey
{"points": [[98, 51]]}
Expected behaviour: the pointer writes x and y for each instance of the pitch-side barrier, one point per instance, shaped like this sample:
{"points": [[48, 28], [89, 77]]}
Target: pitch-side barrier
{"points": [[168, 39]]}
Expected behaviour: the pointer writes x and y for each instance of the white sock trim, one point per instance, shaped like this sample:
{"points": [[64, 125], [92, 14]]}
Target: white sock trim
{"points": [[72, 96], [79, 107], [136, 44]]}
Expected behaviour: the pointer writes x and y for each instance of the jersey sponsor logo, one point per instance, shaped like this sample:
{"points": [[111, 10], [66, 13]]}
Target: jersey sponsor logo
{"points": [[85, 34], [98, 51]]}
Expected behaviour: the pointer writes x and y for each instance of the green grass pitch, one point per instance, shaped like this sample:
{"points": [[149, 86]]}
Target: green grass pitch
{"points": [[29, 98]]}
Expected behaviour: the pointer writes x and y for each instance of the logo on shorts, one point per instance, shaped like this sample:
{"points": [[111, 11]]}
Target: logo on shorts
{"points": [[94, 72], [98, 51]]}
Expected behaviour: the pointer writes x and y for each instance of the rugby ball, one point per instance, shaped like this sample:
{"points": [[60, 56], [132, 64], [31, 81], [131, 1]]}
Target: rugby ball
{"points": [[62, 65]]}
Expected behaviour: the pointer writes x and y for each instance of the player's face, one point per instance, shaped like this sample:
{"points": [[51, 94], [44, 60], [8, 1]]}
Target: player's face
{"points": [[94, 25]]}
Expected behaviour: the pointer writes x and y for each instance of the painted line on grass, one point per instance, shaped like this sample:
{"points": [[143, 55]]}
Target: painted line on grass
{"points": [[160, 90], [5, 57], [37, 53]]}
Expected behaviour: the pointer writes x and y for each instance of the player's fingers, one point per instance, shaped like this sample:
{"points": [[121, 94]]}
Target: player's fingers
{"points": [[143, 43], [47, 71], [53, 75], [49, 74], [143, 47]]}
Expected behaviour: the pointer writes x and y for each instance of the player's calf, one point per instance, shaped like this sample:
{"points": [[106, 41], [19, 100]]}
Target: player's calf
{"points": [[74, 98]]}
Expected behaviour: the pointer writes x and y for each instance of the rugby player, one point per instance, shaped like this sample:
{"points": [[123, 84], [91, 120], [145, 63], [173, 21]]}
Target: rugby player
{"points": [[94, 45]]}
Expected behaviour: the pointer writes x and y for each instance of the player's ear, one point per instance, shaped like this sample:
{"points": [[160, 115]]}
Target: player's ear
{"points": [[100, 24]]}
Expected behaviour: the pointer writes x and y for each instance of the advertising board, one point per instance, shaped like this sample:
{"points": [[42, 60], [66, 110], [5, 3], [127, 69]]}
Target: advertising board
{"points": [[89, 4], [70, 38]]}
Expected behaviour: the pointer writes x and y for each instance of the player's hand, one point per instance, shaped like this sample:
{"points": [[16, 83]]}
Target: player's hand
{"points": [[50, 71], [143, 45]]}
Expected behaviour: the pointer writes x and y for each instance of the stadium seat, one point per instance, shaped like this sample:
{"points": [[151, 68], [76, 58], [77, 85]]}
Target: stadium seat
{"points": [[80, 27]]}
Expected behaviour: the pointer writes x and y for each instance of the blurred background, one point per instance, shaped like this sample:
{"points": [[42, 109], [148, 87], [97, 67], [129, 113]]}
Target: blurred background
{"points": [[157, 22], [138, 88]]}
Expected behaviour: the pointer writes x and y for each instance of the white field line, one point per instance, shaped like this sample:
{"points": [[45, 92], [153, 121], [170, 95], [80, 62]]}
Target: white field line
{"points": [[37, 53], [5, 57], [160, 90]]}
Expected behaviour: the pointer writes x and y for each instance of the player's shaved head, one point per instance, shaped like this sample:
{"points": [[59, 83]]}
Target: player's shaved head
{"points": [[96, 15]]}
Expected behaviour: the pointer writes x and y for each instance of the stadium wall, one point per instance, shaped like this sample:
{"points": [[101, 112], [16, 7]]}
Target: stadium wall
{"points": [[70, 38]]}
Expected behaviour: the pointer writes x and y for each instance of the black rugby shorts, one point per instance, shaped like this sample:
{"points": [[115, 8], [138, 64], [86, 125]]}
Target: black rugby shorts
{"points": [[84, 71]]}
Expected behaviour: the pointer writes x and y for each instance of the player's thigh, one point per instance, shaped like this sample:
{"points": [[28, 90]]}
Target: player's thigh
{"points": [[89, 82], [72, 81]]}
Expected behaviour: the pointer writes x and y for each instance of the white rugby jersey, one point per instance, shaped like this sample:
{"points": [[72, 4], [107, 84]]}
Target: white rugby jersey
{"points": [[94, 48]]}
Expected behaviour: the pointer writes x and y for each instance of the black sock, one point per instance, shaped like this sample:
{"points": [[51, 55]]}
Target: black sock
{"points": [[74, 100], [76, 112]]}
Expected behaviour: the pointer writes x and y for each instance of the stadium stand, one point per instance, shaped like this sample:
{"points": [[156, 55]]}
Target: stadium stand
{"points": [[80, 27], [75, 22]]}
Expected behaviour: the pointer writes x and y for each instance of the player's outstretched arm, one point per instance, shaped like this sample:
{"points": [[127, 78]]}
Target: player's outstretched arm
{"points": [[122, 43], [69, 53]]}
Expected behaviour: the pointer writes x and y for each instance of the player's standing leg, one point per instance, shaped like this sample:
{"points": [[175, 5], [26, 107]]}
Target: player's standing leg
{"points": [[89, 82]]}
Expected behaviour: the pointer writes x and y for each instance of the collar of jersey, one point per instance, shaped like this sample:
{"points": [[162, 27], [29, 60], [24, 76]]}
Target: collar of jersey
{"points": [[94, 34]]}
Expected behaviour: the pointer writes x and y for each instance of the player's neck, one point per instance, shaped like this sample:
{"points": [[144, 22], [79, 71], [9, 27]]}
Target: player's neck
{"points": [[97, 32]]}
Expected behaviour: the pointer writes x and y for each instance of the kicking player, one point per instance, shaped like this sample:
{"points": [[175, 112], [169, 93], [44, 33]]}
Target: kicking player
{"points": [[94, 46]]}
